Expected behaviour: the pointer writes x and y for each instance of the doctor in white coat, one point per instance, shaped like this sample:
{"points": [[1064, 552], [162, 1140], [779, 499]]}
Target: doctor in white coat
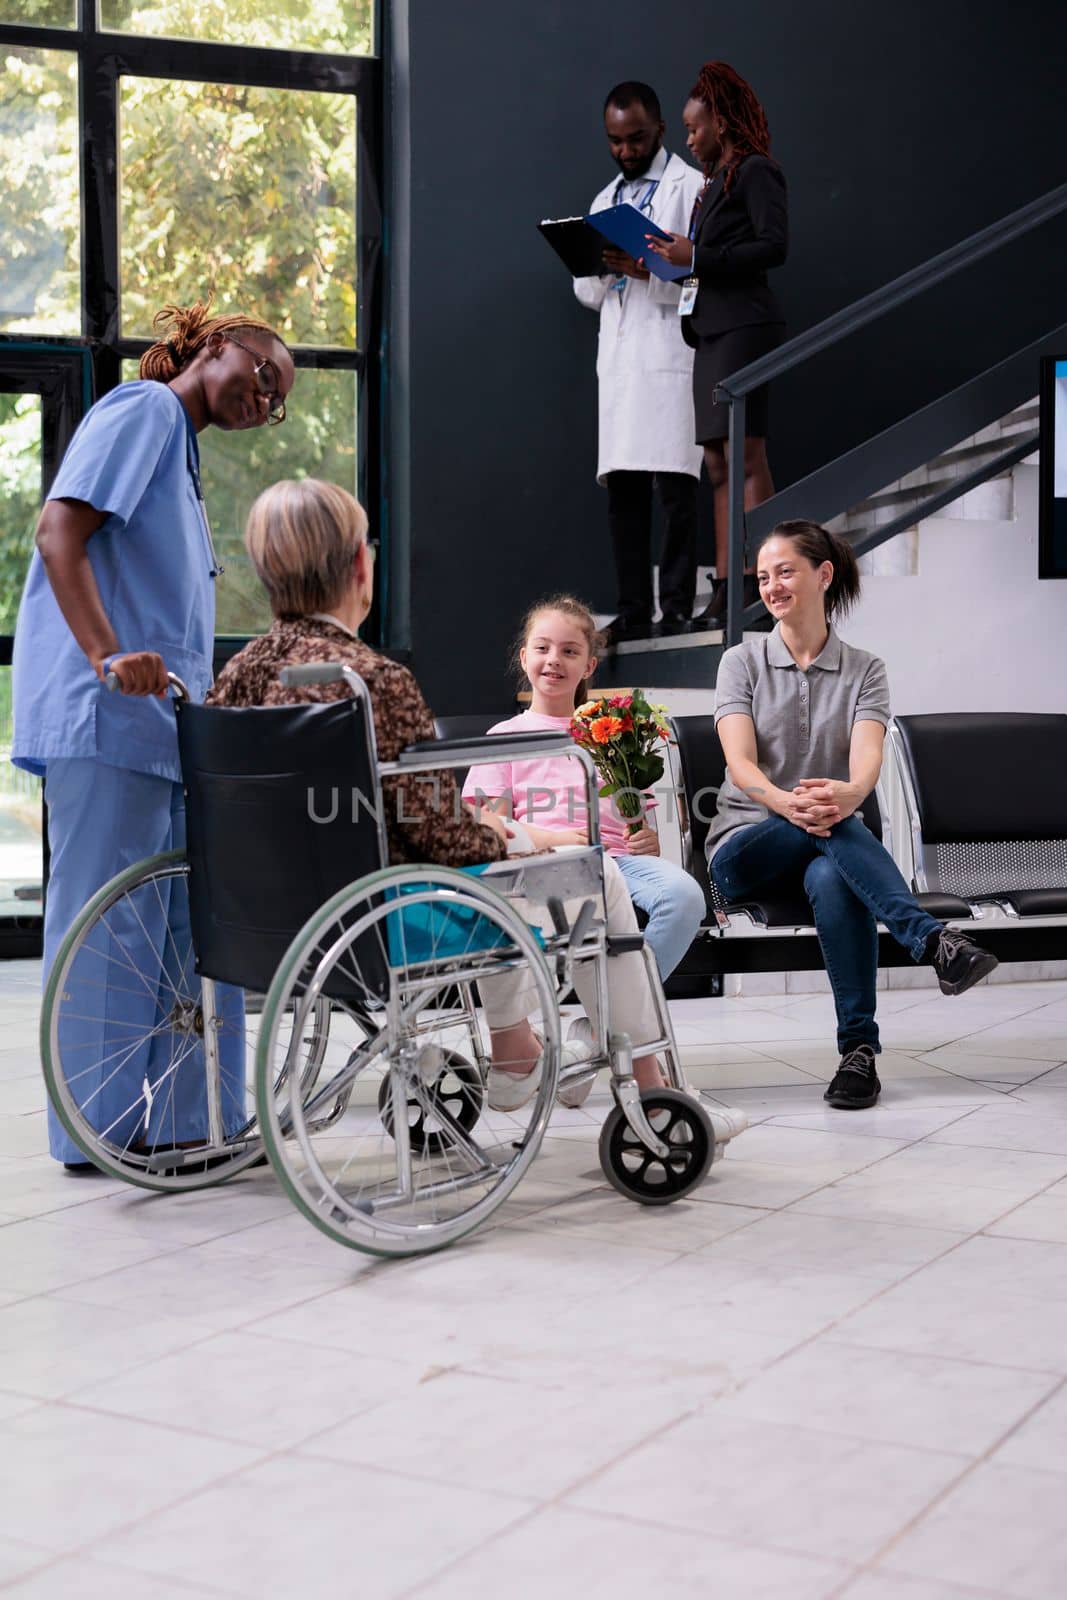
{"points": [[645, 374]]}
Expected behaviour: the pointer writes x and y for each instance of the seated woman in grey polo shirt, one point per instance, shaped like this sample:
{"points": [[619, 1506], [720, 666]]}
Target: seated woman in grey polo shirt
{"points": [[802, 718]]}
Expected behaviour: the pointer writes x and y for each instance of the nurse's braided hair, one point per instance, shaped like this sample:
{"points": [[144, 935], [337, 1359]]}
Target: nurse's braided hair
{"points": [[182, 333], [816, 544], [733, 101]]}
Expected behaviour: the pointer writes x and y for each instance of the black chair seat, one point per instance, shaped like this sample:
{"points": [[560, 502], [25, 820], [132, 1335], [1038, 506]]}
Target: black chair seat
{"points": [[777, 911], [1037, 902], [946, 907]]}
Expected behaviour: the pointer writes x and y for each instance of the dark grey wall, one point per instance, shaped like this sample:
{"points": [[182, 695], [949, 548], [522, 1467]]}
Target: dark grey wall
{"points": [[901, 128]]}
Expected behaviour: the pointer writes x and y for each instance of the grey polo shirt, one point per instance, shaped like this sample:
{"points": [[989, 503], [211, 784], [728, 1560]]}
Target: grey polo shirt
{"points": [[803, 719]]}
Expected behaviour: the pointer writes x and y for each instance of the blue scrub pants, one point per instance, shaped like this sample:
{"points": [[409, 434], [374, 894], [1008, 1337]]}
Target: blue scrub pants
{"points": [[673, 902], [853, 883], [102, 819]]}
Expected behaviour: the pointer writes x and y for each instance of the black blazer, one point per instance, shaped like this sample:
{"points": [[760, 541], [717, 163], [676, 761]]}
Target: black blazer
{"points": [[738, 236]]}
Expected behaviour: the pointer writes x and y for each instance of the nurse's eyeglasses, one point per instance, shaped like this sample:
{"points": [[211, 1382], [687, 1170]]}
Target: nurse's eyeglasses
{"points": [[266, 377]]}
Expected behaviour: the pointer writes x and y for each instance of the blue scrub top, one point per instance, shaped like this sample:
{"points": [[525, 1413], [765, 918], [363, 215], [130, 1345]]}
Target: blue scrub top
{"points": [[134, 457]]}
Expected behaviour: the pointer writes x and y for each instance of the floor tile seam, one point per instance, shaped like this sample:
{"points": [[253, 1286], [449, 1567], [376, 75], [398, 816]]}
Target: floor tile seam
{"points": [[529, 1502], [1003, 1022], [135, 1365], [230, 1328], [984, 1459], [1056, 1381], [1048, 1066], [952, 1590], [828, 1329], [1004, 1196], [1041, 1194], [184, 1430], [93, 1277], [457, 1560], [1000, 1149], [886, 1138], [824, 1430], [668, 1252], [107, 1540], [880, 1222], [744, 1546], [921, 1138], [850, 1341]]}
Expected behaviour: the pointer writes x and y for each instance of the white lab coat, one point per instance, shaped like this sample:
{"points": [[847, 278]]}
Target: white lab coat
{"points": [[644, 367]]}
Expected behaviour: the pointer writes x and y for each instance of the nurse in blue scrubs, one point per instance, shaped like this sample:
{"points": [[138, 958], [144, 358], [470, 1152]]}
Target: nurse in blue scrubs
{"points": [[123, 581]]}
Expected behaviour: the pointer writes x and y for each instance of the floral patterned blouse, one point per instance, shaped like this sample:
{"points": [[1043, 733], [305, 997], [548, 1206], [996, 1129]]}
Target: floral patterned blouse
{"points": [[425, 821]]}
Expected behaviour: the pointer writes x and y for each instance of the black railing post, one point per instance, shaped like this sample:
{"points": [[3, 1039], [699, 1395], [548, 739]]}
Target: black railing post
{"points": [[735, 569]]}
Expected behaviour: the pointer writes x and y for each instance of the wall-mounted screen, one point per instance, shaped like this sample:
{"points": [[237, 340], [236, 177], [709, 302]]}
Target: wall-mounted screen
{"points": [[1052, 531]]}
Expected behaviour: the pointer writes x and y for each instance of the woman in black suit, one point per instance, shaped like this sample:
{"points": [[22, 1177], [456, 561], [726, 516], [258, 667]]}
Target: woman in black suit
{"points": [[739, 230]]}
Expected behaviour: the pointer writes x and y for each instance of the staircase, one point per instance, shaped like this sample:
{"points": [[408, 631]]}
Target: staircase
{"points": [[987, 532]]}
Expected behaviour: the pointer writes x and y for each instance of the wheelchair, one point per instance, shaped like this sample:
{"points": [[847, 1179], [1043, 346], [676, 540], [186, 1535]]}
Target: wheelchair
{"points": [[277, 991]]}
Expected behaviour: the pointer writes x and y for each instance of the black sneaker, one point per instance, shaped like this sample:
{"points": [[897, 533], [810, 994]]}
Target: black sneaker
{"points": [[958, 961], [671, 623], [623, 629], [854, 1086]]}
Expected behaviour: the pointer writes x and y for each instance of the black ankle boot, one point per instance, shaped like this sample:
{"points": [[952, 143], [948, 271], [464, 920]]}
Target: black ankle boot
{"points": [[714, 614]]}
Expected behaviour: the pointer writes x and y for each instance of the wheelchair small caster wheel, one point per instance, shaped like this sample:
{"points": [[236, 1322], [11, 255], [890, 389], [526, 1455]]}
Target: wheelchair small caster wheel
{"points": [[453, 1085], [637, 1171]]}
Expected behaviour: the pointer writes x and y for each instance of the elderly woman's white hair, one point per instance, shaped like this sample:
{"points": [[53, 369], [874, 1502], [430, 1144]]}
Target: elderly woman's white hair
{"points": [[302, 536]]}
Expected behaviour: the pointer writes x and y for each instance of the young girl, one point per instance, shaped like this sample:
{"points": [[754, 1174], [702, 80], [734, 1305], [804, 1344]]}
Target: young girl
{"points": [[802, 718], [556, 655]]}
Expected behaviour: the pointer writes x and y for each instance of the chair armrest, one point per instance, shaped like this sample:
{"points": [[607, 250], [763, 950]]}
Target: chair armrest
{"points": [[488, 747], [429, 754]]}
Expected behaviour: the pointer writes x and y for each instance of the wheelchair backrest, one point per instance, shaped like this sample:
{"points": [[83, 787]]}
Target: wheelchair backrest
{"points": [[283, 806]]}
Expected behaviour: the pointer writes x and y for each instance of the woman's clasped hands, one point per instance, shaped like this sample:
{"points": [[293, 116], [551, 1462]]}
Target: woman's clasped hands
{"points": [[817, 804]]}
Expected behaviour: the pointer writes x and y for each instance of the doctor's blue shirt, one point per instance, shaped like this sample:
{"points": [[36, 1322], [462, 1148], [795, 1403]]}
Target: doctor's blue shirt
{"points": [[133, 457]]}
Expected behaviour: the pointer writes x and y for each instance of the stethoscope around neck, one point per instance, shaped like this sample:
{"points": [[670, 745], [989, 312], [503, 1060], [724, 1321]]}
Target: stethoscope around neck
{"points": [[215, 567], [644, 205]]}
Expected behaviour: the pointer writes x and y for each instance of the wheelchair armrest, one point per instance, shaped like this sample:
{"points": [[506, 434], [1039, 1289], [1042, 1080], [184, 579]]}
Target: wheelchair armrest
{"points": [[499, 747]]}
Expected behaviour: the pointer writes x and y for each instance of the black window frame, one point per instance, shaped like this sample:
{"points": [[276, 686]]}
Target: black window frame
{"points": [[103, 58], [70, 373]]}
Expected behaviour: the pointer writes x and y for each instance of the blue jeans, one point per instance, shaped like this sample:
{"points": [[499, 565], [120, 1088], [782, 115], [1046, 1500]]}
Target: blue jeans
{"points": [[852, 883], [673, 902]]}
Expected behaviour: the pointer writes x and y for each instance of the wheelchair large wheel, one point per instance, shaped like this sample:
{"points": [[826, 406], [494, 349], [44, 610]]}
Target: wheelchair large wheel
{"points": [[148, 1067], [641, 1174], [404, 946]]}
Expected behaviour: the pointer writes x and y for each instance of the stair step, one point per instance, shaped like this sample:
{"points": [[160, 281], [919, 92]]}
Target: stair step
{"points": [[689, 662]]}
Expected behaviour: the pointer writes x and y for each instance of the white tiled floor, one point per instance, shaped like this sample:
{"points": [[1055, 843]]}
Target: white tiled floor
{"points": [[839, 1371]]}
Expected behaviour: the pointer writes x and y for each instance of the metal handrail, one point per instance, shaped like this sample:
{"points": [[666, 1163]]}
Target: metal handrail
{"points": [[734, 389], [880, 301]]}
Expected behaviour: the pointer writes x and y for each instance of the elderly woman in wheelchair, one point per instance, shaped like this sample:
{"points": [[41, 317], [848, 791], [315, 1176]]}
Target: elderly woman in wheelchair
{"points": [[373, 923]]}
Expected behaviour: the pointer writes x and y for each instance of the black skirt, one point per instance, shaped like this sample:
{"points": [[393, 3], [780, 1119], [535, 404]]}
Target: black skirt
{"points": [[716, 358]]}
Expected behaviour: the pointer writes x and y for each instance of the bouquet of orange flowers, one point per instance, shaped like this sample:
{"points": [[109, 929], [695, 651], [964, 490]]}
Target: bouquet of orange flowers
{"points": [[622, 733]]}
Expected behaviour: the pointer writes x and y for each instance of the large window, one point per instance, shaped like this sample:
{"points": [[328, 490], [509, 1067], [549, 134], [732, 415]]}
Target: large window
{"points": [[39, 192], [161, 151]]}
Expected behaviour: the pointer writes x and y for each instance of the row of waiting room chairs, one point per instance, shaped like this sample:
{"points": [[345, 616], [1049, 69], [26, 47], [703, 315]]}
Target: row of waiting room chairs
{"points": [[984, 825]]}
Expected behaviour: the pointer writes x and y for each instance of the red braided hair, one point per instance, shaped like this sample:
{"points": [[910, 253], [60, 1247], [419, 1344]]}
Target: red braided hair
{"points": [[726, 93]]}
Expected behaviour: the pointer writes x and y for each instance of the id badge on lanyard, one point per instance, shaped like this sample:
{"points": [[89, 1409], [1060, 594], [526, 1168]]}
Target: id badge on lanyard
{"points": [[688, 297]]}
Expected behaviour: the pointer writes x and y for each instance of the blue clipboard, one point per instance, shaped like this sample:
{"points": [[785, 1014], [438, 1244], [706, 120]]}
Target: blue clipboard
{"points": [[626, 228]]}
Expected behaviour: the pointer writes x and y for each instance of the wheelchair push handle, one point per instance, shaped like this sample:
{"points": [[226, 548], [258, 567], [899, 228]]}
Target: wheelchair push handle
{"points": [[111, 683]]}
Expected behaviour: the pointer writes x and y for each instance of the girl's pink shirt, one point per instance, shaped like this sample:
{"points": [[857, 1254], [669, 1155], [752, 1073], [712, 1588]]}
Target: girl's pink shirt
{"points": [[548, 791]]}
